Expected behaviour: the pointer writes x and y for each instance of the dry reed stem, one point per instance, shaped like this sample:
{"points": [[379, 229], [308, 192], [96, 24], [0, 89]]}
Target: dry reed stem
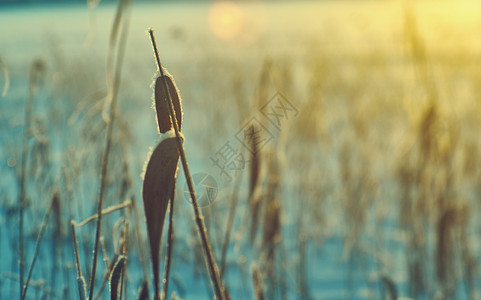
{"points": [[445, 247], [206, 244], [272, 224], [255, 160], [272, 221], [36, 71], [37, 243], [82, 286], [106, 211], [254, 171], [170, 245], [303, 284], [124, 245], [230, 222], [113, 80], [108, 265], [57, 239], [158, 188], [139, 240], [258, 285], [272, 227]]}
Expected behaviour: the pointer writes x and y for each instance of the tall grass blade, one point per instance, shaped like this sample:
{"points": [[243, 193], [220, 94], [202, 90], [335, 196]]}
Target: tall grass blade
{"points": [[157, 189]]}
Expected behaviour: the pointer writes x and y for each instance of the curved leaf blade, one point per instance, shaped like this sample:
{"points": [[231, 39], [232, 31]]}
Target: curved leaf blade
{"points": [[158, 188]]}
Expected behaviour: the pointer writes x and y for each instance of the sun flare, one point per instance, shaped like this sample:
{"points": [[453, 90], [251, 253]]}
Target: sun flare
{"points": [[226, 19]]}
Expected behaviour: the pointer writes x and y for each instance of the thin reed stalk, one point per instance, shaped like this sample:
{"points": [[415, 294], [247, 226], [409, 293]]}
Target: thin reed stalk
{"points": [[109, 266], [125, 250], [255, 203], [80, 279], [230, 222], [170, 245], [112, 98], [37, 244], [139, 240], [35, 70], [212, 266], [105, 211], [257, 282]]}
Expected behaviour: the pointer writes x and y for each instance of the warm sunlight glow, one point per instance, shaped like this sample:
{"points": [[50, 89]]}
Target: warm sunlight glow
{"points": [[226, 19]]}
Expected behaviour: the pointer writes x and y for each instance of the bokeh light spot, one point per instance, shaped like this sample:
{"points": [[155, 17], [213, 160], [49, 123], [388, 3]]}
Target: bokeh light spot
{"points": [[226, 19]]}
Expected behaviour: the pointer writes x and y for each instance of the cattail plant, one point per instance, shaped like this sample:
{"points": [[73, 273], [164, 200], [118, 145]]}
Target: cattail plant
{"points": [[160, 176], [206, 244]]}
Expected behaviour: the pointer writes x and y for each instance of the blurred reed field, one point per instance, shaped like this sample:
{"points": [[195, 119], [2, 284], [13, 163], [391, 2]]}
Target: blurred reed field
{"points": [[332, 145]]}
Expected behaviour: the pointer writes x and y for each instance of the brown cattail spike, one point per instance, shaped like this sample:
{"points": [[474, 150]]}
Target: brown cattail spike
{"points": [[163, 117]]}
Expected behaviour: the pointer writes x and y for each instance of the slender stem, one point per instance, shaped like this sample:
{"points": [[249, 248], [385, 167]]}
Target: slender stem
{"points": [[23, 189], [75, 243], [108, 145], [212, 266], [37, 247], [139, 239], [105, 211], [103, 180], [230, 221], [125, 252], [170, 245], [80, 280]]}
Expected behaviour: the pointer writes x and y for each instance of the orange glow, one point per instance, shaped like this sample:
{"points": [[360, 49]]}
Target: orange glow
{"points": [[226, 19]]}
